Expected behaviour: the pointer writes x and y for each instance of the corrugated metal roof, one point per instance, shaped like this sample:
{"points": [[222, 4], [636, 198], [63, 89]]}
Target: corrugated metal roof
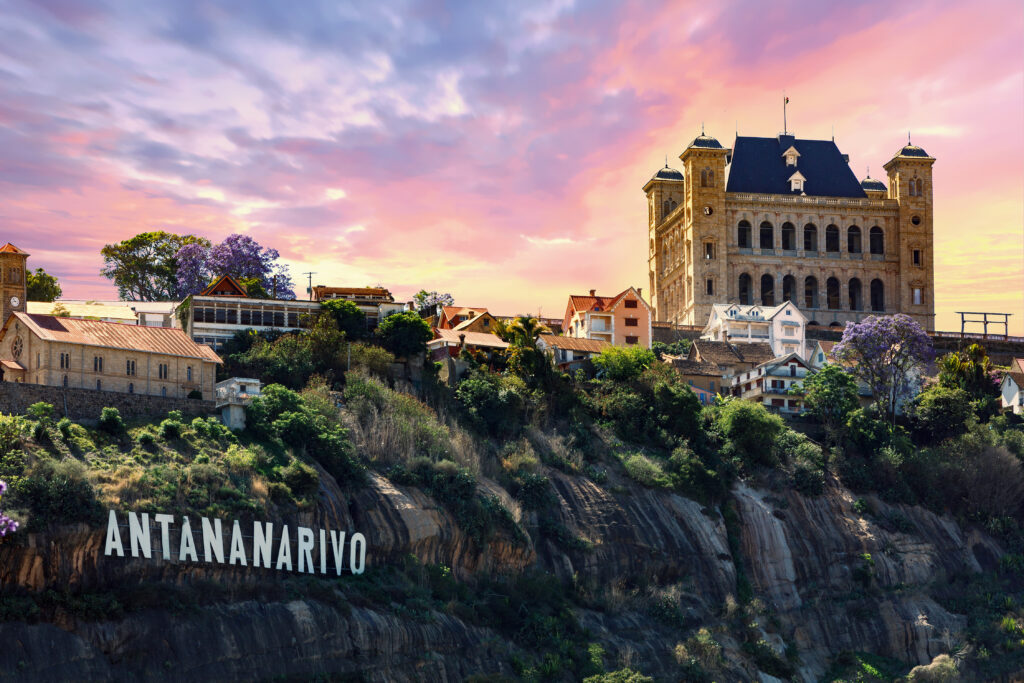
{"points": [[163, 340], [321, 292], [77, 310], [574, 343], [472, 339]]}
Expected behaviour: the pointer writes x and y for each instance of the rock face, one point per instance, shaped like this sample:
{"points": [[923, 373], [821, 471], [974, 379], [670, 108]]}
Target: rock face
{"points": [[807, 559]]}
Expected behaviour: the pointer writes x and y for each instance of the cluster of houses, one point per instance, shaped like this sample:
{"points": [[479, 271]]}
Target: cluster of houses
{"points": [[755, 352]]}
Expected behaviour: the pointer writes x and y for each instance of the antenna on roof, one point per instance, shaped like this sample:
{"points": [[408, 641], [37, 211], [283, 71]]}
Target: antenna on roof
{"points": [[666, 161], [785, 101], [309, 289], [702, 128], [908, 137], [833, 132], [869, 171]]}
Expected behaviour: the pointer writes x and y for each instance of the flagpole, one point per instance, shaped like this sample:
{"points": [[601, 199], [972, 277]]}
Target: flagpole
{"points": [[785, 101]]}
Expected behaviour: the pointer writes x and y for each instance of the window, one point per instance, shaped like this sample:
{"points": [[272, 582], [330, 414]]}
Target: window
{"points": [[709, 250], [162, 370], [811, 292], [916, 220], [131, 388], [853, 239], [788, 289], [163, 391], [877, 239], [39, 361], [632, 340], [631, 322], [832, 238], [99, 385], [832, 293], [743, 236], [198, 315], [631, 303], [877, 295], [790, 331], [745, 289], [707, 178], [65, 381], [767, 235], [792, 371], [220, 315], [767, 290], [856, 300], [788, 236], [709, 287], [129, 368], [97, 363], [918, 296], [810, 237], [917, 257]]}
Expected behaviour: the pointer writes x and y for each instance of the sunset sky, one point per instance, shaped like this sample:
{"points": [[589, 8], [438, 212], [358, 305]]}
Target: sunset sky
{"points": [[492, 150]]}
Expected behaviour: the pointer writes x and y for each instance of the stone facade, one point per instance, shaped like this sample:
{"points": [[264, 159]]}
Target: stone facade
{"points": [[13, 283], [87, 404], [860, 256]]}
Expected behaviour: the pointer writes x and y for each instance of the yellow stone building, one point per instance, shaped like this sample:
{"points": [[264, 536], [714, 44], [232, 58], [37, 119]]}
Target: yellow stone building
{"points": [[776, 219]]}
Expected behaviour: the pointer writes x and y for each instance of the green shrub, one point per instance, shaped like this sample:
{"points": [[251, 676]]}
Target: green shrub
{"points": [[693, 477], [939, 413], [642, 469], [171, 429], [110, 421], [620, 676], [749, 431], [41, 411], [533, 490], [808, 479], [623, 363], [64, 427], [301, 478], [146, 438], [56, 492], [493, 403]]}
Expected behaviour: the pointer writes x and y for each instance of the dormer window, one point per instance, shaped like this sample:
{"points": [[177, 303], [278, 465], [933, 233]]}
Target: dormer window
{"points": [[791, 155], [796, 182]]}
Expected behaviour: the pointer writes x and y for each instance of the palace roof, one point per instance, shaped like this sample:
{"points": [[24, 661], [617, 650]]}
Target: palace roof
{"points": [[705, 142], [141, 338], [758, 166], [873, 184], [667, 173], [912, 151]]}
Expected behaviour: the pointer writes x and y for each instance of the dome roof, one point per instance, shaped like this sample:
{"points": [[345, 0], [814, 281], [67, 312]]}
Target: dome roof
{"points": [[912, 151], [667, 174], [873, 184], [706, 142]]}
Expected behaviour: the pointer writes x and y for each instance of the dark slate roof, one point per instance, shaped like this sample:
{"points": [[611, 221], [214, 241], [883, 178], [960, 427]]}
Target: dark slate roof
{"points": [[870, 183], [759, 167], [705, 141], [912, 151], [667, 174], [726, 353]]}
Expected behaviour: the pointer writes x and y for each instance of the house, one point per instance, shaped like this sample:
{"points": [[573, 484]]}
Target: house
{"points": [[770, 382], [622, 320], [820, 352], [783, 327], [702, 376], [1011, 389], [213, 316], [232, 396], [570, 353], [730, 358], [452, 316], [376, 302], [449, 343], [92, 354]]}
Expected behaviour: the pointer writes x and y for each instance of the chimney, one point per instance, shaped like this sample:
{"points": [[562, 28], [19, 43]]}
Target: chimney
{"points": [[593, 292], [640, 292]]}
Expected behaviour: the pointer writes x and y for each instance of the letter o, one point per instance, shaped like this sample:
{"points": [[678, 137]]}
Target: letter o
{"points": [[353, 555]]}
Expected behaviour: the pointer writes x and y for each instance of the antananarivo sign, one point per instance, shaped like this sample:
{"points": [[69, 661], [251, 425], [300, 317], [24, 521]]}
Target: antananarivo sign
{"points": [[212, 537]]}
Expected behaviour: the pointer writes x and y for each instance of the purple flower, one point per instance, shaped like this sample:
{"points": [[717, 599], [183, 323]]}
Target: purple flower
{"points": [[3, 487], [239, 256]]}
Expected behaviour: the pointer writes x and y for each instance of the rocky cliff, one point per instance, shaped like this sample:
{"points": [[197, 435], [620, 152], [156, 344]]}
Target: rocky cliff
{"points": [[830, 577]]}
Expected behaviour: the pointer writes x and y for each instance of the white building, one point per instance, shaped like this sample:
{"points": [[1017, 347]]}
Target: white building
{"points": [[1012, 388], [770, 383], [784, 327], [376, 302], [232, 396]]}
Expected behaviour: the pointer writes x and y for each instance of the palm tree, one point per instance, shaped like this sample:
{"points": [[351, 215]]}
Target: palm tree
{"points": [[521, 331]]}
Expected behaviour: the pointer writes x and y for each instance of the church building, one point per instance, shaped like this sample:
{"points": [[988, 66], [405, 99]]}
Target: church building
{"points": [[785, 219]]}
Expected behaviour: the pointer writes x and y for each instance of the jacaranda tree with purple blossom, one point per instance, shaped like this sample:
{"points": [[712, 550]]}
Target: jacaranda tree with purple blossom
{"points": [[239, 256], [884, 352], [7, 525]]}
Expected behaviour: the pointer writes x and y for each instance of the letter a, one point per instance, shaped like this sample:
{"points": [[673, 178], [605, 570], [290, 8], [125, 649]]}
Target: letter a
{"points": [[113, 536]]}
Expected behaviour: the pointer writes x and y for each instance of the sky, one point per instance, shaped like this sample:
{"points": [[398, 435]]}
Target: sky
{"points": [[496, 151]]}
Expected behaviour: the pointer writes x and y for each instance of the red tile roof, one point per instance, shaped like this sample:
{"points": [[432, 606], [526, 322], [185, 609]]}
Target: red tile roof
{"points": [[11, 249], [483, 339], [222, 284], [142, 338]]}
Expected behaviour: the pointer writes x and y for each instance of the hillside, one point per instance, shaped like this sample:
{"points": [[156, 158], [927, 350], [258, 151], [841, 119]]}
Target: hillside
{"points": [[546, 532]]}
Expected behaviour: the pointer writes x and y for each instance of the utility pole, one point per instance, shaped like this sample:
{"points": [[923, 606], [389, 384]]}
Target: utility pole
{"points": [[309, 289]]}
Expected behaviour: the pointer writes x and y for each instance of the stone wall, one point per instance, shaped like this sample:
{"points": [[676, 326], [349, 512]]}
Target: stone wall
{"points": [[86, 404]]}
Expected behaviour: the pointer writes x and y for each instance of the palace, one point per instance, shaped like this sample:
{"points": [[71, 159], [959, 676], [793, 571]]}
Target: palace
{"points": [[785, 219]]}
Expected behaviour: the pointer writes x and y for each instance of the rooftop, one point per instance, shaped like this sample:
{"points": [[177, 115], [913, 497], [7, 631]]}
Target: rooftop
{"points": [[758, 166], [574, 343], [729, 353]]}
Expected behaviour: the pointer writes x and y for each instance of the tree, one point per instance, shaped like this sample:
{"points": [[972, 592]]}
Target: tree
{"points": [[256, 267], [405, 334], [941, 412], [41, 286], [144, 267], [427, 301], [885, 352], [830, 395], [749, 431], [621, 363], [524, 358], [970, 370], [349, 317], [680, 347]]}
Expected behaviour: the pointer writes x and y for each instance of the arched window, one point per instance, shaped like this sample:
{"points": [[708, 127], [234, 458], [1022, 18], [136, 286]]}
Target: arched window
{"points": [[811, 292], [877, 295], [745, 289], [767, 235], [832, 293], [666, 208], [810, 237], [853, 239], [920, 187], [767, 290], [743, 236], [788, 237], [65, 381], [163, 391], [131, 388], [877, 238], [99, 385], [707, 178], [856, 298], [788, 288], [832, 238], [711, 178]]}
